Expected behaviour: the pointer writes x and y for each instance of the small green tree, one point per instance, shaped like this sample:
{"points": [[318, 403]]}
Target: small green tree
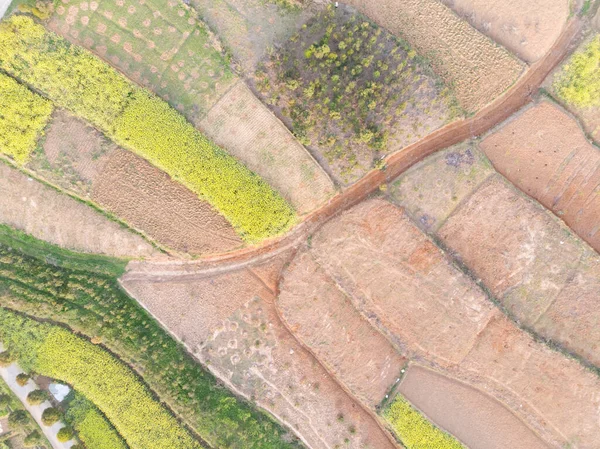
{"points": [[33, 439], [6, 358], [78, 446], [36, 397], [18, 419], [50, 416], [4, 400], [65, 434], [22, 379]]}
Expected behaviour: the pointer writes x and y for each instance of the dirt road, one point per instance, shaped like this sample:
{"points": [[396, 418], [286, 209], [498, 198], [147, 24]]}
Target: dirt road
{"points": [[516, 97]]}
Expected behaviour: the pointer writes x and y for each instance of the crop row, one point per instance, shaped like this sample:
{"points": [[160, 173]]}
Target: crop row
{"points": [[93, 304], [23, 116], [75, 79], [57, 353], [414, 430]]}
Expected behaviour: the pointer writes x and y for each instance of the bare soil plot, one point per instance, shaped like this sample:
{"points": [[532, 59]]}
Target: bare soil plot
{"points": [[150, 200], [544, 153], [251, 133], [352, 92], [230, 322], [392, 270], [432, 189], [543, 274], [478, 69], [49, 215], [529, 376], [250, 28], [323, 317], [472, 416], [527, 28]]}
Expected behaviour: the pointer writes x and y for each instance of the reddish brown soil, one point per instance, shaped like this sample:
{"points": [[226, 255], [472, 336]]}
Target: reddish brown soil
{"points": [[544, 153], [528, 28], [148, 199], [475, 418], [230, 323], [390, 268], [323, 317], [49, 215]]}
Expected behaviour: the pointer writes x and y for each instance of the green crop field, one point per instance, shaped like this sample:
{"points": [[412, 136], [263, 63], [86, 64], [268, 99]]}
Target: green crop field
{"points": [[51, 283], [23, 116], [75, 79]]}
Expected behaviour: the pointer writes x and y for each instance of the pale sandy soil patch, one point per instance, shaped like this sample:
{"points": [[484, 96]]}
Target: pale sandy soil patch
{"points": [[230, 322], [528, 28], [544, 153], [246, 127], [541, 272], [323, 317], [150, 200], [472, 416], [478, 69], [389, 267], [54, 217]]}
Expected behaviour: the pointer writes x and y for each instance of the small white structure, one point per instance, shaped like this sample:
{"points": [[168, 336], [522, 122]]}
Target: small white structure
{"points": [[59, 391]]}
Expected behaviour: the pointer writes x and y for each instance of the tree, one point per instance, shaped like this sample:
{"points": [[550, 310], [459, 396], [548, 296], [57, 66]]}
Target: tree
{"points": [[36, 397], [33, 439], [18, 419], [22, 379], [50, 416], [6, 358], [65, 434], [4, 400]]}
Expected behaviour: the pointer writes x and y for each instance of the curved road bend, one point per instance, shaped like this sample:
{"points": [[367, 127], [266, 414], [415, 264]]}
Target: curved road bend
{"points": [[499, 110]]}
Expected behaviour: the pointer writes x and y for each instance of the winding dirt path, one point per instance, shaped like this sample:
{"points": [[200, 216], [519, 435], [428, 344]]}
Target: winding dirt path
{"points": [[517, 96]]}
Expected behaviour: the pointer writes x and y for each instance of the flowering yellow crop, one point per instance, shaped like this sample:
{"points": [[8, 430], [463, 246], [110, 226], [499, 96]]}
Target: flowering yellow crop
{"points": [[23, 116], [75, 79]]}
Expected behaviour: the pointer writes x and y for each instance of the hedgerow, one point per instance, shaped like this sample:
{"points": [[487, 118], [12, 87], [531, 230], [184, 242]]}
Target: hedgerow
{"points": [[414, 430], [93, 429], [579, 81], [92, 303], [75, 79], [55, 352], [23, 116]]}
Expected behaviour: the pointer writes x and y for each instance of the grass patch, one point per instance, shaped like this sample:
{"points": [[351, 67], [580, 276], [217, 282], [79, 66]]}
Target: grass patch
{"points": [[53, 351], [578, 83], [75, 79], [23, 117], [414, 430], [92, 427], [95, 305]]}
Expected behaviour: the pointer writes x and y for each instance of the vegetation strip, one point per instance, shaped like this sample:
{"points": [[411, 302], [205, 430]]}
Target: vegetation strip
{"points": [[414, 430], [23, 116], [94, 304], [141, 122], [55, 352]]}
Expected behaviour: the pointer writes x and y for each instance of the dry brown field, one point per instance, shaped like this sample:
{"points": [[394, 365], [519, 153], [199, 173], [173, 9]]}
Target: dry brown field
{"points": [[323, 317], [78, 158], [475, 418], [544, 152], [230, 322], [433, 313], [477, 68], [528, 28], [49, 215], [164, 46]]}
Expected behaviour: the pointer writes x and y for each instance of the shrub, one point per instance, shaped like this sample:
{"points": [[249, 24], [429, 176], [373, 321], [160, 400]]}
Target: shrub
{"points": [[4, 400], [65, 434], [75, 79], [36, 397], [414, 430], [23, 118], [18, 419], [51, 416], [22, 379], [6, 358], [78, 446], [578, 83], [33, 439]]}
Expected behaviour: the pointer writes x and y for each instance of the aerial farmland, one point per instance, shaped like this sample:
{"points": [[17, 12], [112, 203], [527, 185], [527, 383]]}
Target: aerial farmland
{"points": [[299, 224]]}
